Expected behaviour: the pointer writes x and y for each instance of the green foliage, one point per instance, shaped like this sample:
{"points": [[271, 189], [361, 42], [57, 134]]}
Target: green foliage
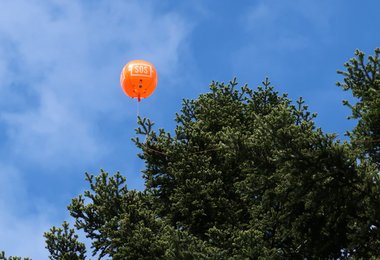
{"points": [[246, 174], [362, 78], [250, 161], [2, 257], [122, 224], [63, 243], [117, 220]]}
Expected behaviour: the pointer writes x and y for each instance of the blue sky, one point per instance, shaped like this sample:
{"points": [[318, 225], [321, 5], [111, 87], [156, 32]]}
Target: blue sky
{"points": [[63, 113]]}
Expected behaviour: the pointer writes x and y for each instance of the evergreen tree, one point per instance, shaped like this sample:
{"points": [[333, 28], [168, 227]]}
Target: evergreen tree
{"points": [[249, 162], [246, 174], [122, 224], [362, 78], [63, 243]]}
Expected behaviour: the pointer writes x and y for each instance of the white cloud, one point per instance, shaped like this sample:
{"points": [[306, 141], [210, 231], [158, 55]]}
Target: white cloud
{"points": [[52, 129], [59, 80], [69, 56], [22, 236], [21, 233]]}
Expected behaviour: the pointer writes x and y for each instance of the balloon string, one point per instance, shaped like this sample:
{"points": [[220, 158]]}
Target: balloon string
{"points": [[138, 110]]}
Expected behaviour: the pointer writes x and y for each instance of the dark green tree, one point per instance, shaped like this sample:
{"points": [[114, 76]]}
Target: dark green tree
{"points": [[362, 78], [123, 225], [63, 243], [118, 221], [249, 162], [245, 174]]}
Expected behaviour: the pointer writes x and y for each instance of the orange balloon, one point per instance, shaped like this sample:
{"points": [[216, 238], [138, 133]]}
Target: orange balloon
{"points": [[138, 79]]}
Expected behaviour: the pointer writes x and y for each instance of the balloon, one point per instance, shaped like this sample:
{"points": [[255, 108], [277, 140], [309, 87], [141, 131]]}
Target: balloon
{"points": [[138, 79]]}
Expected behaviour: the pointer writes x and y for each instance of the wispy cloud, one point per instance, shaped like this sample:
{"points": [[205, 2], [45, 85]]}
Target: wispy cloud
{"points": [[59, 69], [20, 230], [68, 56]]}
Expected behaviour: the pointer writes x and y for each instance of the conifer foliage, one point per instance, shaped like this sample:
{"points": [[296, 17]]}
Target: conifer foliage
{"points": [[245, 174], [362, 78], [63, 243], [3, 257]]}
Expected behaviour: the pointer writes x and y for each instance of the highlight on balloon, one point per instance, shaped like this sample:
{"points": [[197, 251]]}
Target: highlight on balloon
{"points": [[138, 79]]}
